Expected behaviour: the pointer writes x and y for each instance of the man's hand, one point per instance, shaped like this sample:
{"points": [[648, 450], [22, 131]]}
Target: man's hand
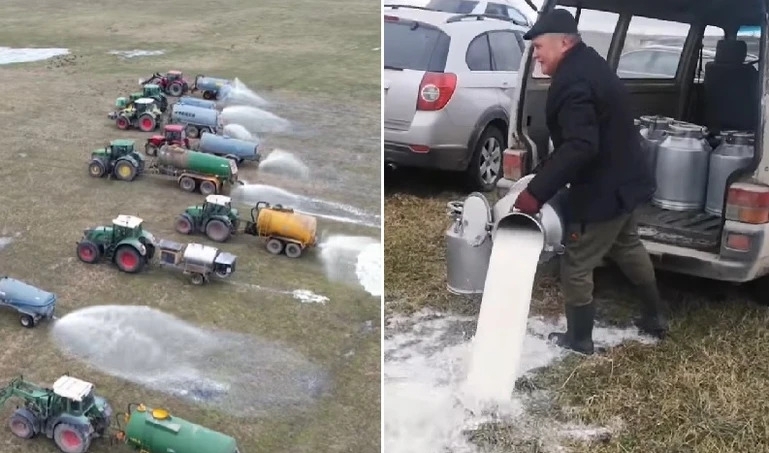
{"points": [[527, 204]]}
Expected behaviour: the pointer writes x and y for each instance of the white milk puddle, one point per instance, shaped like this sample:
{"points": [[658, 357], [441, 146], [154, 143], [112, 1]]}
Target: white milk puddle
{"points": [[136, 53], [10, 55], [251, 194], [353, 260], [302, 295], [255, 120], [426, 359], [241, 133], [244, 375], [282, 162]]}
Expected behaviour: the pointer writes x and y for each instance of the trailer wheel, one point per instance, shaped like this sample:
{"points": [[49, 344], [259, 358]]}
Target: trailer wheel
{"points": [[69, 439], [128, 259], [293, 250], [96, 169], [184, 225], [192, 131], [217, 230], [125, 171], [88, 252], [207, 188], [175, 89], [122, 123], [27, 321], [187, 184], [209, 95], [150, 149], [21, 426], [274, 246], [147, 123], [197, 279]]}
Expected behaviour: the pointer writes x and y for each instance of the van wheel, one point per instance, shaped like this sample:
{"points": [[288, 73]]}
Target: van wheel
{"points": [[485, 167], [759, 290]]}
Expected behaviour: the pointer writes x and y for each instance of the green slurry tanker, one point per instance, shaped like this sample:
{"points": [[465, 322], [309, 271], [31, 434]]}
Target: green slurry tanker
{"points": [[192, 170], [156, 431]]}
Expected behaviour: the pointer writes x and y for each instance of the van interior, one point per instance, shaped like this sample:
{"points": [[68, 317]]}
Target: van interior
{"points": [[671, 41]]}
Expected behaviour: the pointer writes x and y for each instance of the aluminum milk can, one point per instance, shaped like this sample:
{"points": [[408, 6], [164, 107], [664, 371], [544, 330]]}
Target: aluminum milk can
{"points": [[468, 245], [735, 152], [682, 165], [653, 131]]}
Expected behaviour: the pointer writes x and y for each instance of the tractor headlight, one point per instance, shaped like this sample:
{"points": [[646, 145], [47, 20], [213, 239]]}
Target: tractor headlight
{"points": [[142, 249]]}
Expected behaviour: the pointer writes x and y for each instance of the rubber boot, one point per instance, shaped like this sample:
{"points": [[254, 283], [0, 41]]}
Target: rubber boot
{"points": [[579, 330], [654, 311]]}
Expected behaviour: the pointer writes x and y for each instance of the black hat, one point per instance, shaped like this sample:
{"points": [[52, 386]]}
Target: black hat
{"points": [[555, 21]]}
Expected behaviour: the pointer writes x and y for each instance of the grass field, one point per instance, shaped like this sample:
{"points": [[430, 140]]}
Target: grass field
{"points": [[699, 391], [318, 63]]}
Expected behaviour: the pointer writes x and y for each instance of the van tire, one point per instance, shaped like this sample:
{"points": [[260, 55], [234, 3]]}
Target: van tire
{"points": [[490, 146]]}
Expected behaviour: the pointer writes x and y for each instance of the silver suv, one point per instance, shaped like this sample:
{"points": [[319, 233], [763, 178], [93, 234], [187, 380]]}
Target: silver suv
{"points": [[449, 80]]}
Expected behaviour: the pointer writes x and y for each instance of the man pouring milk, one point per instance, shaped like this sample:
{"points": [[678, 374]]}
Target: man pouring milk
{"points": [[597, 152]]}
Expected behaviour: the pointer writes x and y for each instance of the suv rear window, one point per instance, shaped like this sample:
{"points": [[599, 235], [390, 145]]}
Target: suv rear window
{"points": [[452, 6], [414, 45]]}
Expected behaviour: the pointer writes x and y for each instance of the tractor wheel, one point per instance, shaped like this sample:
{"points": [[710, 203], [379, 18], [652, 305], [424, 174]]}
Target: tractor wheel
{"points": [[209, 95], [129, 260], [192, 131], [197, 279], [69, 439], [27, 321], [21, 426], [293, 250], [207, 188], [125, 171], [122, 123], [88, 252], [175, 89], [184, 225], [217, 231], [274, 246], [147, 123], [96, 169], [187, 184], [150, 150]]}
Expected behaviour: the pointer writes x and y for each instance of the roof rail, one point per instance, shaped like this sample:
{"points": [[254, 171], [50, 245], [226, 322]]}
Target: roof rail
{"points": [[459, 17], [396, 6]]}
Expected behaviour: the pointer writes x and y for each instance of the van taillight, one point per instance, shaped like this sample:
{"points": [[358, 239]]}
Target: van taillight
{"points": [[512, 163], [436, 90], [747, 203]]}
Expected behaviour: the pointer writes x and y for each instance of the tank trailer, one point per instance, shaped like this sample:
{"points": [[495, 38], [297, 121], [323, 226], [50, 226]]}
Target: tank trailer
{"points": [[143, 114], [284, 230], [231, 148], [198, 261], [173, 83], [196, 120], [197, 102], [33, 304], [213, 88]]}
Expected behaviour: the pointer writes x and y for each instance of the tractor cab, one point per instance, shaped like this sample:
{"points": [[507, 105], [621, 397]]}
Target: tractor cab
{"points": [[126, 226], [120, 147], [172, 76], [144, 104], [151, 90], [174, 134], [121, 103], [217, 204], [76, 395]]}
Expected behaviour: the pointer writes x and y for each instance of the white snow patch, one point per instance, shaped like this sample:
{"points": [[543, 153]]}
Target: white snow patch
{"points": [[368, 268], [307, 296], [426, 361], [10, 55], [136, 53]]}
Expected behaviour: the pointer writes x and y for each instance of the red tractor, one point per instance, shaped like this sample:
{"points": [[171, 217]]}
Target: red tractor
{"points": [[172, 83], [173, 134]]}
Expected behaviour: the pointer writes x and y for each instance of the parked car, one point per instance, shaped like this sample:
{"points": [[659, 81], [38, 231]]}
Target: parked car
{"points": [[503, 8], [660, 61], [32, 303], [449, 80]]}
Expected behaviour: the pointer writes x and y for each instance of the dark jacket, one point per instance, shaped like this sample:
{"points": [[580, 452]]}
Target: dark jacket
{"points": [[597, 146]]}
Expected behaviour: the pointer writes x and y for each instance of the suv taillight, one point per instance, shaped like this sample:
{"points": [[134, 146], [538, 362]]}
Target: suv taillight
{"points": [[747, 203], [436, 90]]}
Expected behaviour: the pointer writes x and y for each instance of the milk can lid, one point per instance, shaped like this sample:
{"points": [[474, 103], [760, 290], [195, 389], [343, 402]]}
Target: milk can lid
{"points": [[476, 217]]}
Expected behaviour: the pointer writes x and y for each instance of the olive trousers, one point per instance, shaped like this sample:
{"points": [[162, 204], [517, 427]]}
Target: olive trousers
{"points": [[586, 245]]}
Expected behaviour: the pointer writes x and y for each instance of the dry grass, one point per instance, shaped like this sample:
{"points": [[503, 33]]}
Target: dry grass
{"points": [[54, 115], [699, 391]]}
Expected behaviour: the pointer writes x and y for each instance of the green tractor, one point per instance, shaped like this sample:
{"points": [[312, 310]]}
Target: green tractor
{"points": [[119, 159], [143, 114], [216, 218], [151, 91], [125, 243], [69, 413]]}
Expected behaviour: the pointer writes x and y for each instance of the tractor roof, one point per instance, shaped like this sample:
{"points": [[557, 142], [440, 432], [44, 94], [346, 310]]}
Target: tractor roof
{"points": [[122, 142], [144, 101], [151, 85], [72, 388], [127, 221], [174, 72], [222, 200], [174, 127]]}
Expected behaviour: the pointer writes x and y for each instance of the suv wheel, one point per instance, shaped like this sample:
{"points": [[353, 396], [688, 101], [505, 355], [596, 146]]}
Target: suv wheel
{"points": [[486, 164]]}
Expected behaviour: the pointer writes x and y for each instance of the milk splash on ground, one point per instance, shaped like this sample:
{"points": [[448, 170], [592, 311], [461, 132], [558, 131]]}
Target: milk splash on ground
{"points": [[368, 268], [239, 94], [244, 375], [342, 261], [10, 55], [284, 163], [239, 132], [255, 120]]}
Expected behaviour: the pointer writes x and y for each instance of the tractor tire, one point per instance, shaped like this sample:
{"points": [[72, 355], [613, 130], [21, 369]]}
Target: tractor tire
{"points": [[192, 131], [218, 231], [293, 250], [207, 188], [209, 95], [125, 171], [129, 260], [70, 439], [175, 89], [21, 426], [96, 168], [274, 246], [122, 123], [187, 184], [197, 279], [184, 224], [150, 150], [147, 123], [88, 252]]}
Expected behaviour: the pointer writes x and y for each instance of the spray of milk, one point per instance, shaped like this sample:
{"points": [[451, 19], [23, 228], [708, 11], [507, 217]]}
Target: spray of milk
{"points": [[255, 120], [342, 261], [284, 163], [239, 132], [239, 94]]}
